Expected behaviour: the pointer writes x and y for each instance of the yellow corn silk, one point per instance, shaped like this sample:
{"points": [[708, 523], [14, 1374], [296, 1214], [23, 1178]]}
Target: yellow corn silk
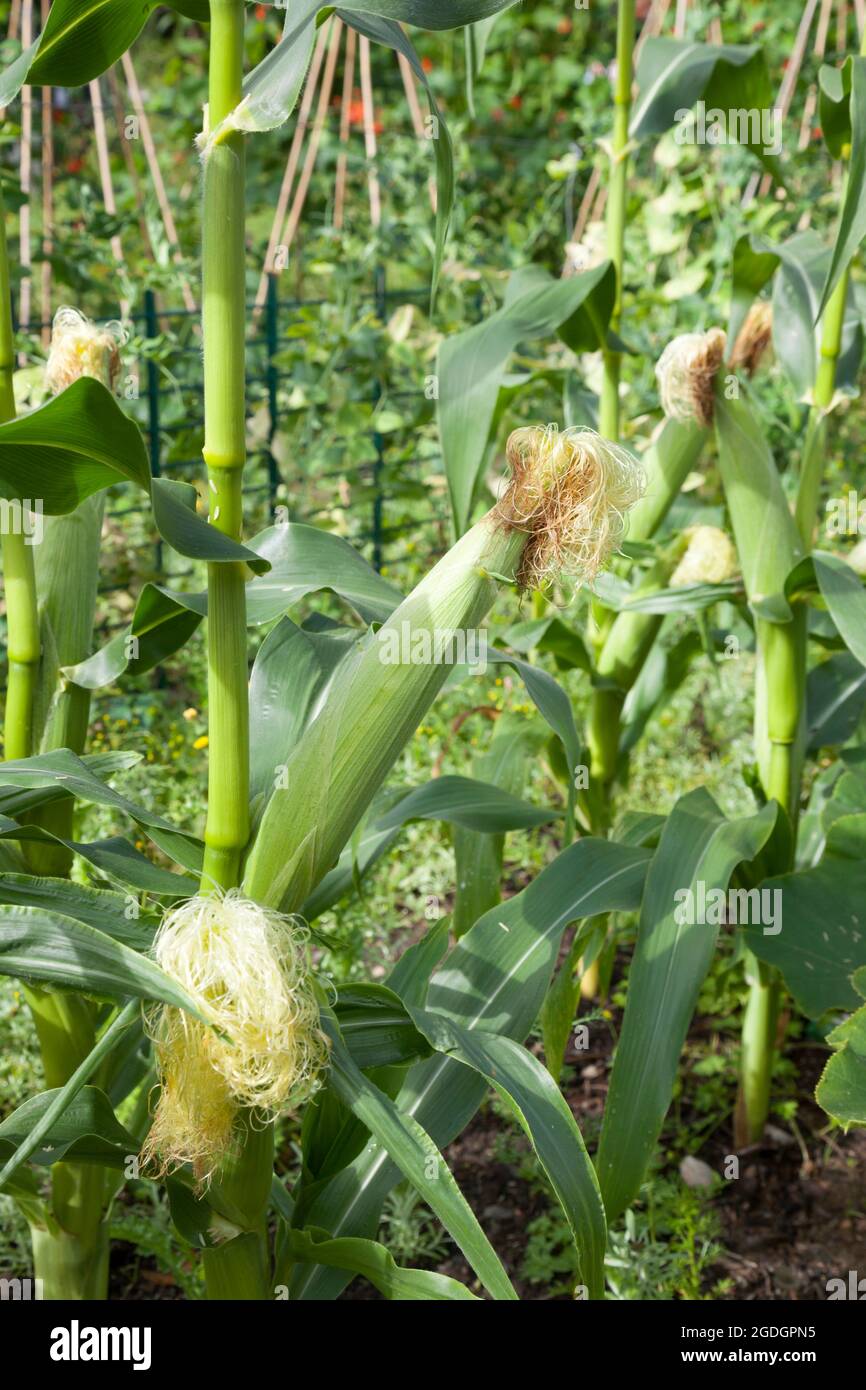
{"points": [[81, 348], [686, 372], [247, 969]]}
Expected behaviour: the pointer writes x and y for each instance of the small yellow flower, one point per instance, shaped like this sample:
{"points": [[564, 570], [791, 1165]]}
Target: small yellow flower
{"points": [[190, 714], [201, 742]]}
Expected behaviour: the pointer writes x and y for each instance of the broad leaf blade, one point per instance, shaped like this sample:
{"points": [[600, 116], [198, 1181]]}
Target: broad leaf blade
{"points": [[668, 968], [537, 1103], [418, 1158]]}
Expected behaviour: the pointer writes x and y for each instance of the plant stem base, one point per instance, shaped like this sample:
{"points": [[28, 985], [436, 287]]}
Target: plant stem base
{"points": [[70, 1267]]}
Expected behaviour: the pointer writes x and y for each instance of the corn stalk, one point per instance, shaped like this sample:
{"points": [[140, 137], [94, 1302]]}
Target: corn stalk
{"points": [[71, 1258], [780, 711], [769, 546], [240, 1267], [609, 413], [22, 618]]}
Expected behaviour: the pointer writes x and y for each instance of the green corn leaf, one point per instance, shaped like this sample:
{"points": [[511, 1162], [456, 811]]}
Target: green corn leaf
{"points": [[81, 442], [302, 559], [290, 678], [823, 936], [80, 40], [49, 1108], [843, 592], [549, 634], [843, 106], [178, 522], [410, 977], [835, 700], [471, 365], [668, 968], [373, 1262], [419, 1160], [476, 37], [272, 89], [561, 1002], [842, 1088], [114, 857], [538, 1105], [478, 856], [13, 77], [17, 801], [102, 908], [76, 444], [691, 598], [673, 74], [376, 1027], [495, 979], [469, 803], [64, 772], [804, 263], [192, 9], [54, 1127], [163, 622], [389, 33], [834, 106], [54, 950], [549, 699], [753, 265], [466, 802]]}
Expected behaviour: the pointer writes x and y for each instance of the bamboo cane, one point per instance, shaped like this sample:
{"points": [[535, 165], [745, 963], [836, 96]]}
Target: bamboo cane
{"points": [[156, 175], [345, 127], [789, 81], [370, 132], [811, 103], [47, 199], [129, 160], [609, 411], [291, 169], [315, 134], [416, 114], [25, 255], [104, 163]]}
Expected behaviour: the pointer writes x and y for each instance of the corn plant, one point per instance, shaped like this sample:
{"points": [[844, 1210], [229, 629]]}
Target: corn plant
{"points": [[773, 532], [179, 1011], [237, 1026]]}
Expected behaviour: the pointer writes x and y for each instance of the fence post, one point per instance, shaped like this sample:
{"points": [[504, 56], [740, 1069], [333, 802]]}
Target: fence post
{"points": [[379, 443], [272, 314], [151, 324]]}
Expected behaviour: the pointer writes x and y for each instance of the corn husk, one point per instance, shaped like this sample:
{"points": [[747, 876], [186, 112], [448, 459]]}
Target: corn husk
{"points": [[564, 506], [374, 706]]}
